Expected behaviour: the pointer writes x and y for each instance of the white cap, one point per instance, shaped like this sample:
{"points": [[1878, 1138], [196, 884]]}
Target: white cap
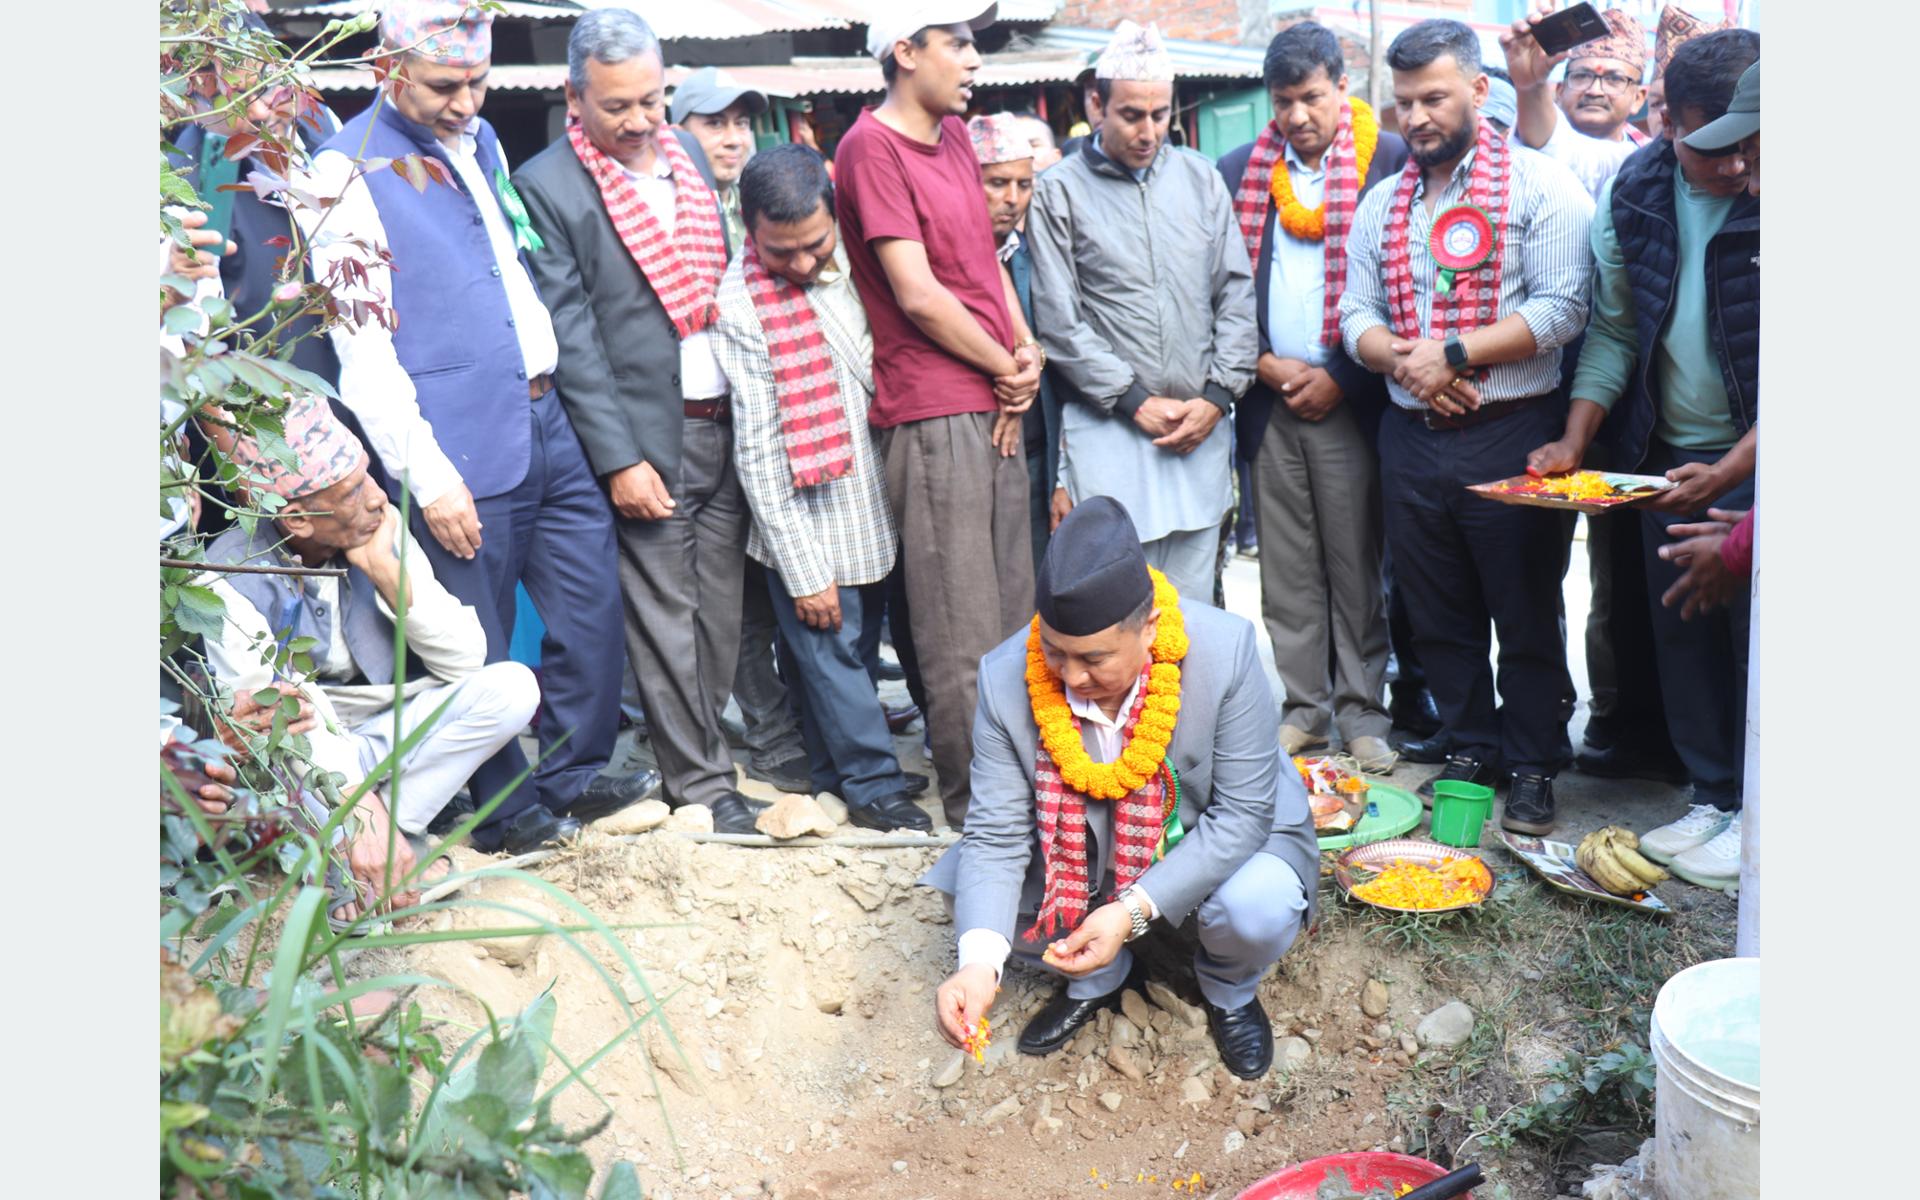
{"points": [[899, 22]]}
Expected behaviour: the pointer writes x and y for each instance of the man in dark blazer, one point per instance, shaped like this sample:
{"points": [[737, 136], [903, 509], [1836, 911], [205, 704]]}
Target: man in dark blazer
{"points": [[1038, 858], [634, 249], [1307, 424]]}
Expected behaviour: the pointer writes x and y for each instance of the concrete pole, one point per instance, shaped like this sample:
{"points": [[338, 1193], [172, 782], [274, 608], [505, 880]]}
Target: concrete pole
{"points": [[1376, 58], [1747, 926]]}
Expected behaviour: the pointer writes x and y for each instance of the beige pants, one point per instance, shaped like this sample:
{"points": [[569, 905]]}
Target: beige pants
{"points": [[966, 546]]}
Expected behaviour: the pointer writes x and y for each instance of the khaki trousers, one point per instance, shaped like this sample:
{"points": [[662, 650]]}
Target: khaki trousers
{"points": [[966, 546], [1317, 507]]}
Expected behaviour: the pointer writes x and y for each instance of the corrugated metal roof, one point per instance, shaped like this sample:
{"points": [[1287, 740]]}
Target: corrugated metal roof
{"points": [[1190, 58], [718, 19], [558, 10]]}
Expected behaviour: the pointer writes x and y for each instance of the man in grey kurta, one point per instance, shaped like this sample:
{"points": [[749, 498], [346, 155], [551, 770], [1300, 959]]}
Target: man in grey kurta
{"points": [[1143, 300]]}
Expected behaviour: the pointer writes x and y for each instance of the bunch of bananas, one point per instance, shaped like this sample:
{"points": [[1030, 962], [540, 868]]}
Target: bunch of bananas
{"points": [[1611, 858]]}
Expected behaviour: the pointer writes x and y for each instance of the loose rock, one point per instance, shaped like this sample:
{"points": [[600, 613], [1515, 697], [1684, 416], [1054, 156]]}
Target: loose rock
{"points": [[1374, 999], [1233, 1141], [1134, 1005], [634, 818], [1170, 1001], [1110, 1101], [1446, 1026], [833, 806], [1194, 1091], [1289, 1053], [1124, 1032], [1001, 1111], [1409, 1044], [1127, 1062], [794, 816], [690, 818]]}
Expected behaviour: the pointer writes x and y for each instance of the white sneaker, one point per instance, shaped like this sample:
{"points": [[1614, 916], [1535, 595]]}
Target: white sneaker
{"points": [[1701, 825], [1715, 864]]}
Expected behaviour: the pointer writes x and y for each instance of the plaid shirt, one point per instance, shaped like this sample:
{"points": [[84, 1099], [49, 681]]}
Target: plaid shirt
{"points": [[1544, 277], [839, 532]]}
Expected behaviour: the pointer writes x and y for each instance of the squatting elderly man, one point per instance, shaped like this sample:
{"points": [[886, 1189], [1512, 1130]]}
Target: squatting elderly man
{"points": [[1143, 300], [793, 340], [335, 516], [1125, 771], [458, 401]]}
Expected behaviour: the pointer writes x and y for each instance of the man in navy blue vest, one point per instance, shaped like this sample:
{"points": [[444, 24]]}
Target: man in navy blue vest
{"points": [[456, 398], [1675, 343]]}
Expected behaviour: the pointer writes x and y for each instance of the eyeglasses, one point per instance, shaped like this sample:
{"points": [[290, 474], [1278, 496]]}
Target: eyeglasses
{"points": [[1612, 81]]}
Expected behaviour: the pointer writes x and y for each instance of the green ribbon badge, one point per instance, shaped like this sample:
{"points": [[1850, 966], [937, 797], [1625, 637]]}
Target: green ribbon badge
{"points": [[524, 236]]}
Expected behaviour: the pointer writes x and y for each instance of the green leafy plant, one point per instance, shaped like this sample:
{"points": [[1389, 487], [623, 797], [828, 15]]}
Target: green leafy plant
{"points": [[273, 1082], [1613, 1087]]}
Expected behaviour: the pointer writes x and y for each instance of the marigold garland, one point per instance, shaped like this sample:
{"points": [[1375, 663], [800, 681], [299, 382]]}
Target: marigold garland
{"points": [[1310, 224], [1147, 748]]}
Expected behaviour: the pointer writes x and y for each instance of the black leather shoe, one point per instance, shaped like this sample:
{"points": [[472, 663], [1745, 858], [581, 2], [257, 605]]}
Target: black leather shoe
{"points": [[608, 794], [793, 775], [1436, 749], [1600, 733], [1529, 806], [537, 828], [890, 670], [1465, 768], [899, 718], [1056, 1023], [1625, 761], [1414, 711], [732, 813], [457, 810], [917, 784], [1244, 1038], [891, 812]]}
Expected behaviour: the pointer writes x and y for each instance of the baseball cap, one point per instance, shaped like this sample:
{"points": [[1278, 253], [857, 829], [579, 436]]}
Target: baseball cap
{"points": [[897, 23], [1739, 122], [710, 90]]}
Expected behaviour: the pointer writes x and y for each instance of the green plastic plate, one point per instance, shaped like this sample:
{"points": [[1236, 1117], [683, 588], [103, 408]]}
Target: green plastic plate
{"points": [[1397, 812]]}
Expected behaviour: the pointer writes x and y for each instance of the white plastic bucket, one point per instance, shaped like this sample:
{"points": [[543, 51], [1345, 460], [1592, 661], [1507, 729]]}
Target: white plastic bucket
{"points": [[1706, 1046]]}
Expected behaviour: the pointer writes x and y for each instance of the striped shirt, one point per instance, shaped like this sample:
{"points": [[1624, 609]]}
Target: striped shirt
{"points": [[838, 532], [1544, 276]]}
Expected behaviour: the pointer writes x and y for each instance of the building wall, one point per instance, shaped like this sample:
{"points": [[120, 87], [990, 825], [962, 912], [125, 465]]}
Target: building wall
{"points": [[1201, 20]]}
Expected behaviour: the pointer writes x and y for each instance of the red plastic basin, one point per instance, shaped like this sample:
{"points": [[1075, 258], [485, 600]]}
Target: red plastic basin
{"points": [[1364, 1169]]}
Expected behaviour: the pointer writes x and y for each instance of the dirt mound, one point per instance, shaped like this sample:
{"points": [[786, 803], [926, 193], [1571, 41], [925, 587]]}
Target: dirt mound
{"points": [[797, 986]]}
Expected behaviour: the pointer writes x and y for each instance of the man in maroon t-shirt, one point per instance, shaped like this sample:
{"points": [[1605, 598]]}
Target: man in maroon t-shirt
{"points": [[954, 364]]}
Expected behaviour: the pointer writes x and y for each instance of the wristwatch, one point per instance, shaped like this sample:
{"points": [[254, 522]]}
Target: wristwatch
{"points": [[1037, 349], [1137, 911], [1456, 352]]}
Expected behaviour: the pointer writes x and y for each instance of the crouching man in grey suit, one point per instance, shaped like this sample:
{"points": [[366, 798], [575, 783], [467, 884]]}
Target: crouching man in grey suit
{"points": [[1235, 846]]}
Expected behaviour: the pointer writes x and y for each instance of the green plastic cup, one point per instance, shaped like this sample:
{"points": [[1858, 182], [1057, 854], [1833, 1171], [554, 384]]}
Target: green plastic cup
{"points": [[1459, 809]]}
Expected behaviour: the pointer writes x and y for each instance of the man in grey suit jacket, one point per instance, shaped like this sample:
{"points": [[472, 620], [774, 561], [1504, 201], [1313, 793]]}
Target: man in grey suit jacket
{"points": [[1036, 854], [649, 401]]}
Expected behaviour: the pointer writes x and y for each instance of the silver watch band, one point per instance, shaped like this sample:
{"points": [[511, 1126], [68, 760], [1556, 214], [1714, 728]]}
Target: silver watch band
{"points": [[1137, 912]]}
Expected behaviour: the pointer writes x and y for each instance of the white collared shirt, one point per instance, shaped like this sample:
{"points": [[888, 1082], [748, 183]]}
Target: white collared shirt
{"points": [[372, 381], [700, 375], [987, 946]]}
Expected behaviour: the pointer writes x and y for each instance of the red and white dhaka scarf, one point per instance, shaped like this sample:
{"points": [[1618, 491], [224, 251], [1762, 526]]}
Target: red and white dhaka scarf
{"points": [[1474, 299], [1137, 824], [683, 269], [1340, 192], [813, 419]]}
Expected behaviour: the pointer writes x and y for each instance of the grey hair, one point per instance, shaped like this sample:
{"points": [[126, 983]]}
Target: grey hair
{"points": [[608, 36], [1136, 620]]}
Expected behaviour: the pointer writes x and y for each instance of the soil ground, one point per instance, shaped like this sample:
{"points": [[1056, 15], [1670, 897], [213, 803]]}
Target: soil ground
{"points": [[797, 987]]}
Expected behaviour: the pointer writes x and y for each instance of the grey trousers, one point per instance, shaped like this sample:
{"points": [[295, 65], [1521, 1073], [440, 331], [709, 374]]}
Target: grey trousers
{"points": [[681, 578], [1245, 926], [773, 731], [966, 545], [1317, 506], [1189, 559]]}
